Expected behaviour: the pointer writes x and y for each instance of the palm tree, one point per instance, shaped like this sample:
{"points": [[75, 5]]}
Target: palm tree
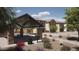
{"points": [[7, 16]]}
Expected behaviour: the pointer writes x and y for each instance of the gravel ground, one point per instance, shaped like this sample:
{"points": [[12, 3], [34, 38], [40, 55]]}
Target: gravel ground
{"points": [[56, 44]]}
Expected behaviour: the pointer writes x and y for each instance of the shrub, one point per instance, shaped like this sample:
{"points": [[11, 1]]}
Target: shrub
{"points": [[50, 35], [46, 31], [60, 36], [11, 49], [20, 43], [39, 49], [45, 35], [73, 38], [65, 48], [53, 39], [14, 49], [53, 28], [61, 44], [77, 48], [29, 50], [47, 43]]}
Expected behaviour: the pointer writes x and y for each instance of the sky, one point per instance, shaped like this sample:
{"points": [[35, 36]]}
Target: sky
{"points": [[43, 13]]}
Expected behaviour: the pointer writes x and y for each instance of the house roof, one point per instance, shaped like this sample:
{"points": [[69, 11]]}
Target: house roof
{"points": [[60, 22], [52, 20], [26, 21]]}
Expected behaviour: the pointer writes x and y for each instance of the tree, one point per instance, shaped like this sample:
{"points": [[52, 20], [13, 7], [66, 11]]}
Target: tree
{"points": [[53, 27], [7, 16], [72, 18]]}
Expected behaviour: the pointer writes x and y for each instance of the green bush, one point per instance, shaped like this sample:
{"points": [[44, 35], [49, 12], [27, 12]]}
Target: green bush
{"points": [[47, 43], [70, 27], [53, 28]]}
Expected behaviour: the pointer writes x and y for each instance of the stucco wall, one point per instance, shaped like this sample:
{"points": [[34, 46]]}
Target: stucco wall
{"points": [[35, 30], [47, 27], [58, 28], [65, 28]]}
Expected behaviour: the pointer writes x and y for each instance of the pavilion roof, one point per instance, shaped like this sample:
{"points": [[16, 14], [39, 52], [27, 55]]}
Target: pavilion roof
{"points": [[26, 21]]}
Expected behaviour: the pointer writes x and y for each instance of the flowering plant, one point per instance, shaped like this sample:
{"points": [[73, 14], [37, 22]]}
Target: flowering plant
{"points": [[20, 43]]}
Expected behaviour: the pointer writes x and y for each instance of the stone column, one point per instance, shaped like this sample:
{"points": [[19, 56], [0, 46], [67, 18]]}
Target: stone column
{"points": [[3, 43], [47, 27], [14, 30], [65, 28], [58, 27], [25, 30], [35, 30]]}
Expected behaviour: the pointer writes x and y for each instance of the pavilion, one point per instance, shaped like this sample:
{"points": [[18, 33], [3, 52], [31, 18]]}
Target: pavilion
{"points": [[26, 25]]}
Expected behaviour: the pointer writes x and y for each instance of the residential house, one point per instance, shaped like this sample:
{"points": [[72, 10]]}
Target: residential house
{"points": [[61, 26]]}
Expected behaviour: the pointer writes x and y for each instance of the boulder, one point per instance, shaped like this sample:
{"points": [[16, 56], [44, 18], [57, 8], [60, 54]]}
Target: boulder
{"points": [[3, 42]]}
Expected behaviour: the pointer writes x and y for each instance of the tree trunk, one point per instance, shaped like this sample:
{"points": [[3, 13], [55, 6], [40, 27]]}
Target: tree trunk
{"points": [[11, 34], [21, 32], [78, 34]]}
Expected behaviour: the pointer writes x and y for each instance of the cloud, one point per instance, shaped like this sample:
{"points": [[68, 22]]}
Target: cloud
{"points": [[46, 16], [61, 20], [18, 11], [45, 13], [40, 15], [34, 15], [55, 18]]}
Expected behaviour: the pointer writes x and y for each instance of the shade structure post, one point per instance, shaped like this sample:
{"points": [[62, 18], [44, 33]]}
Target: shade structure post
{"points": [[21, 32]]}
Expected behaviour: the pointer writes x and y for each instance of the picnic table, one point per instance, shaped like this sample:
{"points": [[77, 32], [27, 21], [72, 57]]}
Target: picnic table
{"points": [[27, 38]]}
